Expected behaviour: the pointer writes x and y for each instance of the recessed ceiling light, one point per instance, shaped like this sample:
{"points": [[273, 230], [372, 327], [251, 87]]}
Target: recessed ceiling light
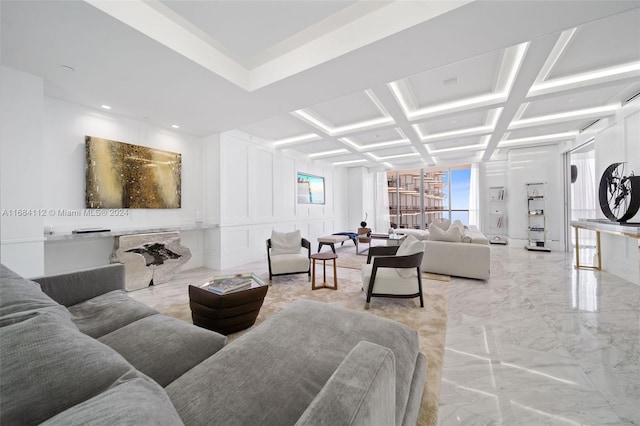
{"points": [[175, 126], [107, 107]]}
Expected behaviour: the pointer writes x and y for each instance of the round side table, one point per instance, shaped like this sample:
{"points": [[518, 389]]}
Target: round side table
{"points": [[324, 257]]}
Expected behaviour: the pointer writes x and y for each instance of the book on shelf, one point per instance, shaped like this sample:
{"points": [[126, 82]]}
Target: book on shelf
{"points": [[229, 285]]}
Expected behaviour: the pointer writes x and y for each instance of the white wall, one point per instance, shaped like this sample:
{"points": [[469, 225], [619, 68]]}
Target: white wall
{"points": [[21, 172], [541, 164], [620, 142], [258, 195], [65, 128], [526, 165]]}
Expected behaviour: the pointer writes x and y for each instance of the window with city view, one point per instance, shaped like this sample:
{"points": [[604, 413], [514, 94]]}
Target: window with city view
{"points": [[418, 197]]}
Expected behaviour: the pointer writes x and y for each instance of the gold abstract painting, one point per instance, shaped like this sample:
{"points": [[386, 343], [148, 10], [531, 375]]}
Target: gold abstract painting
{"points": [[121, 175]]}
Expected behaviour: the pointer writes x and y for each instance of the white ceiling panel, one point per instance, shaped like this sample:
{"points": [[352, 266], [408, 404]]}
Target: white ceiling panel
{"points": [[400, 150], [585, 99], [455, 143], [318, 146], [279, 127], [606, 42], [349, 109], [456, 158], [453, 122], [245, 28], [475, 76], [379, 136], [548, 129]]}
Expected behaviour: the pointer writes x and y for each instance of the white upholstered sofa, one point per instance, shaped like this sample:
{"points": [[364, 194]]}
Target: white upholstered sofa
{"points": [[465, 254]]}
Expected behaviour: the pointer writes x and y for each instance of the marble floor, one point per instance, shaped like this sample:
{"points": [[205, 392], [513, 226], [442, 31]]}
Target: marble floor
{"points": [[541, 343]]}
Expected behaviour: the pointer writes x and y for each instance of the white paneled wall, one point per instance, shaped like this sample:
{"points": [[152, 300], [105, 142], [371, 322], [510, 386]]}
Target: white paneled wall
{"points": [[542, 164], [258, 195], [620, 142]]}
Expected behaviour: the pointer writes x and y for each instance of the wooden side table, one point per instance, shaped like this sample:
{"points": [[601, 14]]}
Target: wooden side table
{"points": [[324, 257]]}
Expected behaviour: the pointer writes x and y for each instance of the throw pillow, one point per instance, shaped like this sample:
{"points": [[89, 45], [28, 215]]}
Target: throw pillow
{"points": [[453, 234], [285, 242], [411, 245], [466, 236], [443, 224]]}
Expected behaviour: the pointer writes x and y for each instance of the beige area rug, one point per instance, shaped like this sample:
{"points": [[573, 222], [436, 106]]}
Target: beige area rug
{"points": [[430, 322]]}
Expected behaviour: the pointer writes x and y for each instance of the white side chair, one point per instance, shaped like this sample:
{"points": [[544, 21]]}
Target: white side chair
{"points": [[288, 253], [395, 271]]}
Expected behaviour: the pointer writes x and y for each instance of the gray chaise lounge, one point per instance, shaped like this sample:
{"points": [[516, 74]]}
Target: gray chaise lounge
{"points": [[99, 357]]}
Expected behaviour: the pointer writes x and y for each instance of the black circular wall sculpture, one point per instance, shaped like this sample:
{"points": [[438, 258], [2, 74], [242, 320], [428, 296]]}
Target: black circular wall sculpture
{"points": [[619, 195]]}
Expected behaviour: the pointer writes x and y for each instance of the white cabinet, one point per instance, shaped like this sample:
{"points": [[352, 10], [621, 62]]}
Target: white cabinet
{"points": [[497, 215], [537, 222]]}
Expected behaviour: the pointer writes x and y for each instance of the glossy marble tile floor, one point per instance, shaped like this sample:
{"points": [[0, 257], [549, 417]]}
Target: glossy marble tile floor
{"points": [[541, 343]]}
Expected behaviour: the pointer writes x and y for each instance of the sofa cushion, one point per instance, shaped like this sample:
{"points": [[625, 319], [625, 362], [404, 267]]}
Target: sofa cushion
{"points": [[409, 246], [20, 297], [108, 312], [163, 347], [136, 402], [453, 234], [48, 367], [286, 242], [420, 234], [286, 263], [477, 237], [285, 363], [388, 281], [74, 287], [360, 392], [443, 224]]}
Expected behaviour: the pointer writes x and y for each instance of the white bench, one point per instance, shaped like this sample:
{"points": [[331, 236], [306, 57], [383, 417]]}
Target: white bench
{"points": [[331, 240]]}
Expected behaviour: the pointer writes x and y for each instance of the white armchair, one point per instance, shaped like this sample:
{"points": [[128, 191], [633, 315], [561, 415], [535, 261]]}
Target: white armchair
{"points": [[395, 271], [286, 256]]}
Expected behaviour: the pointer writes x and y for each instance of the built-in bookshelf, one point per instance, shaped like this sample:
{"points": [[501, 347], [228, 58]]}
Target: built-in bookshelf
{"points": [[537, 221], [497, 215]]}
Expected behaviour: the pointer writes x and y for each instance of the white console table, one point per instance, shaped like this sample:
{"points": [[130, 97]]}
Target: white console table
{"points": [[607, 227]]}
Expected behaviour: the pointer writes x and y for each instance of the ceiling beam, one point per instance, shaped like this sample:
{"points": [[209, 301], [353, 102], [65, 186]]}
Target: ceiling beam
{"points": [[384, 94], [535, 58]]}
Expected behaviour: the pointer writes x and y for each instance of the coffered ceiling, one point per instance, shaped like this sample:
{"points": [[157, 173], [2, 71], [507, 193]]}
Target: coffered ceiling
{"points": [[384, 84]]}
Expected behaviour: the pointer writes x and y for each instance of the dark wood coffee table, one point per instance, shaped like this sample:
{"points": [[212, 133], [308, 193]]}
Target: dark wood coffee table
{"points": [[324, 257], [227, 313]]}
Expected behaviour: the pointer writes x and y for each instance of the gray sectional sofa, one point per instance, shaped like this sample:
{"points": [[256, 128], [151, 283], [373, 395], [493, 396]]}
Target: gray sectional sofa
{"points": [[76, 350]]}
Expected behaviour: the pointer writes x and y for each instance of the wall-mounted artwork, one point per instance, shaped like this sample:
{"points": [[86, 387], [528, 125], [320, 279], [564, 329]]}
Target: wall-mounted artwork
{"points": [[310, 189], [619, 194], [121, 175]]}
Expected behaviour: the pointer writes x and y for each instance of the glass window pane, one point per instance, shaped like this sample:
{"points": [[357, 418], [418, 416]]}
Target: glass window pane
{"points": [[460, 185]]}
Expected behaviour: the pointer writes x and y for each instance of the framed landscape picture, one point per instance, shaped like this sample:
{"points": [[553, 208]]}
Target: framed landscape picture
{"points": [[310, 189]]}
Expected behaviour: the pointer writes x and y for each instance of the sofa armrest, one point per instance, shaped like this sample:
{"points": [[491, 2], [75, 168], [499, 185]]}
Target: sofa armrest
{"points": [[360, 392], [75, 287]]}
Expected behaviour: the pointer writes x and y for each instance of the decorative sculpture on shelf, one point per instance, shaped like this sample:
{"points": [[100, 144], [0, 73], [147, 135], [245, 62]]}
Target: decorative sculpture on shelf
{"points": [[619, 195]]}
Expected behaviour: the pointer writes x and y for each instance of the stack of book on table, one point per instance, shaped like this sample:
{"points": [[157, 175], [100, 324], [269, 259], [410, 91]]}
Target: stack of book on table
{"points": [[229, 285]]}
